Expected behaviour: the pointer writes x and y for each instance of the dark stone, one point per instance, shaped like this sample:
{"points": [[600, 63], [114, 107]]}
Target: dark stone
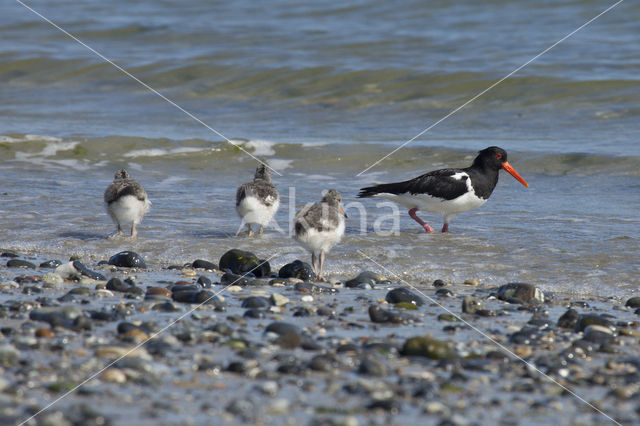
{"points": [[281, 327], [204, 281], [102, 316], [527, 293], [18, 263], [591, 319], [165, 307], [389, 405], [324, 362], [443, 292], [255, 313], [8, 254], [127, 259], [242, 262], [200, 297], [365, 279], [297, 269], [51, 264], [403, 295], [62, 316], [325, 311], [81, 323], [598, 335], [439, 284], [633, 303], [80, 267], [379, 315], [427, 346], [204, 264], [260, 302], [373, 367], [234, 279], [31, 290], [302, 311], [569, 319], [310, 288], [471, 305], [116, 284]]}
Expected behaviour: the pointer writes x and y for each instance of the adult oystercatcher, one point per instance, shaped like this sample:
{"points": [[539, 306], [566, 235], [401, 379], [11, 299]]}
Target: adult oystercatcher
{"points": [[448, 192], [319, 227], [257, 201], [126, 201]]}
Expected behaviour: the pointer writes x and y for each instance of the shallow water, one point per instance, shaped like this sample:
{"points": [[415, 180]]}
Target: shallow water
{"points": [[321, 92]]}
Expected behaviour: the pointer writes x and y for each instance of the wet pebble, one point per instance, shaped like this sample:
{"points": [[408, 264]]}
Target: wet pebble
{"points": [[50, 264], [204, 281], [439, 284], [83, 270], [633, 303], [310, 288], [255, 302], [520, 293], [113, 375], [127, 259], [379, 315], [429, 347], [471, 305], [9, 354], [255, 313], [63, 316], [365, 279], [278, 299], [592, 319], [443, 292], [18, 263], [297, 269], [242, 262], [569, 319], [373, 367], [403, 295], [204, 264], [116, 284]]}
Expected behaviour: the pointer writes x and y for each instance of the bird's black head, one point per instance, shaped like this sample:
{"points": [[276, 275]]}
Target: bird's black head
{"points": [[494, 158], [121, 174], [491, 158], [263, 172]]}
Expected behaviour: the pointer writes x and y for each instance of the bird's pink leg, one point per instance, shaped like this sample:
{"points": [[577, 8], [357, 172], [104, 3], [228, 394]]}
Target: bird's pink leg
{"points": [[413, 215]]}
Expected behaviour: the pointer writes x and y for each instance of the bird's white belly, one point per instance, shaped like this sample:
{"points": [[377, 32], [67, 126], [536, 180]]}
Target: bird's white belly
{"points": [[467, 201], [128, 209], [316, 241], [253, 212]]}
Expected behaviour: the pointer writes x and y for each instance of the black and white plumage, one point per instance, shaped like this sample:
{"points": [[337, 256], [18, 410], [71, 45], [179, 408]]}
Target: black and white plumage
{"points": [[448, 192], [318, 227], [257, 201], [126, 201]]}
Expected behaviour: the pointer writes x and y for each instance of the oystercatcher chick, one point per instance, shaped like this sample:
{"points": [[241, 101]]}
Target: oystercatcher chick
{"points": [[319, 227], [126, 201], [448, 192], [257, 201]]}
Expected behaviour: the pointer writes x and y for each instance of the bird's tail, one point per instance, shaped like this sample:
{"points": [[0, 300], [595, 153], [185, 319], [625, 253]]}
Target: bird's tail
{"points": [[385, 188]]}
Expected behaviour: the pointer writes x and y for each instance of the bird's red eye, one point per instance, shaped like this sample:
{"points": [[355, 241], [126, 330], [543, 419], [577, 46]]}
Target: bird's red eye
{"points": [[498, 156]]}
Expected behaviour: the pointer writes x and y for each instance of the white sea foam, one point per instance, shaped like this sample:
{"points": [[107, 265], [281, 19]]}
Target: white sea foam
{"points": [[161, 152], [258, 146]]}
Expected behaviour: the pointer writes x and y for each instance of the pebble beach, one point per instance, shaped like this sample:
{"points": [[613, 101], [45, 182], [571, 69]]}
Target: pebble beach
{"points": [[145, 343]]}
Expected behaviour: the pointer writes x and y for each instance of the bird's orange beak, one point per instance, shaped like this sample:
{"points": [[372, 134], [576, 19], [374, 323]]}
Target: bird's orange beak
{"points": [[513, 173], [342, 211]]}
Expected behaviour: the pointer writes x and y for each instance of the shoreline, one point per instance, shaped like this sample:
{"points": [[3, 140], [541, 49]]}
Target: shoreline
{"points": [[284, 350]]}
